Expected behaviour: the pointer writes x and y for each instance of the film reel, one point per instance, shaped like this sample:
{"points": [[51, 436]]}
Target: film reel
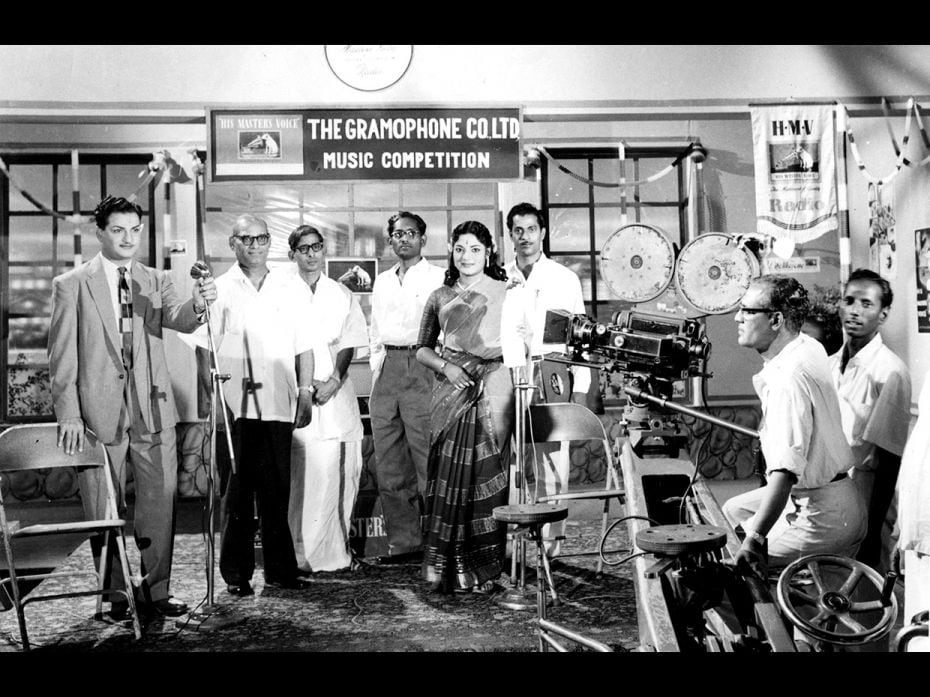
{"points": [[713, 272], [637, 262]]}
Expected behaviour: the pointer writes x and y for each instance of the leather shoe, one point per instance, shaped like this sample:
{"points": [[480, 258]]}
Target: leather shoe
{"points": [[169, 607], [240, 589], [404, 558], [295, 583]]}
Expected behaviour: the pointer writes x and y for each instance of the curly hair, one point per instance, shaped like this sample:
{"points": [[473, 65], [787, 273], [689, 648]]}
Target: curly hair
{"points": [[112, 204], [492, 268]]}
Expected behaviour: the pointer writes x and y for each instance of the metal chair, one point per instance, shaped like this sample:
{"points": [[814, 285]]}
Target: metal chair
{"points": [[567, 422], [33, 447]]}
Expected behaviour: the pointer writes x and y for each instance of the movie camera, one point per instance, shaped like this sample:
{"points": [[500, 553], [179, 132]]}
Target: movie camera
{"points": [[655, 355]]}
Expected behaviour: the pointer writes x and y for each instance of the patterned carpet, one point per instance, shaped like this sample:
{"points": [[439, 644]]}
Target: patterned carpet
{"points": [[374, 608]]}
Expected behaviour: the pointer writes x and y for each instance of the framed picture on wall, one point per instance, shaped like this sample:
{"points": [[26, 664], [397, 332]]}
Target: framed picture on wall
{"points": [[355, 273]]}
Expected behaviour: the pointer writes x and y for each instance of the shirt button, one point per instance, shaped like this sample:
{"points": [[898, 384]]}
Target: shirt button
{"points": [[121, 376]]}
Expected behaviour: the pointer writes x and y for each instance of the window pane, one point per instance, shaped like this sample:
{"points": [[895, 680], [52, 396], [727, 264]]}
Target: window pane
{"points": [[30, 290], [564, 188], [29, 334], [608, 171], [437, 236], [36, 180], [664, 218], [423, 194], [89, 181], [581, 265], [31, 239], [122, 180], [473, 194], [325, 195], [606, 222], [371, 235], [569, 229], [385, 195]]}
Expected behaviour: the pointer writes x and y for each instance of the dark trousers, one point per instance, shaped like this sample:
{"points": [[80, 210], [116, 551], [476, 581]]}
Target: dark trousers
{"points": [[263, 462], [399, 409]]}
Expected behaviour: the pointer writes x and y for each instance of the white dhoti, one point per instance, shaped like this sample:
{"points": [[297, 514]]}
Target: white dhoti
{"points": [[323, 493]]}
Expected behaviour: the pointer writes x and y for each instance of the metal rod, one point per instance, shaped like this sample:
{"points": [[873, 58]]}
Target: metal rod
{"points": [[640, 394]]}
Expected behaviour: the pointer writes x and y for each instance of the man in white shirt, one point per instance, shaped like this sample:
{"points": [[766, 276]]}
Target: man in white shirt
{"points": [[914, 517], [545, 285], [259, 332], [401, 386], [801, 434], [874, 388], [326, 455]]}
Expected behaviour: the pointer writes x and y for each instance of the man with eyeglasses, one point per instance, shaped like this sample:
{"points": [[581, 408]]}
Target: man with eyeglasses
{"points": [[546, 285], [874, 388], [401, 386], [808, 504], [326, 455], [267, 347], [109, 374]]}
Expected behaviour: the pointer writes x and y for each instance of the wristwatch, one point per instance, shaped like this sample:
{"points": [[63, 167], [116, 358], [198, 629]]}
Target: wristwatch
{"points": [[442, 367], [310, 388], [753, 535]]}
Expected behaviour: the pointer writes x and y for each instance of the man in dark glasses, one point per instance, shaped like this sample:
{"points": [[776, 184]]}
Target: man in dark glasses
{"points": [[808, 504]]}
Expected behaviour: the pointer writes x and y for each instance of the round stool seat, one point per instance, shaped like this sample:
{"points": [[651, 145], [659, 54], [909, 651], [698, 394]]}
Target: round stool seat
{"points": [[531, 513], [677, 540]]}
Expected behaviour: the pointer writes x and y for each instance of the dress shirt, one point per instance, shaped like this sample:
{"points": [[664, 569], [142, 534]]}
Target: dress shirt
{"points": [[336, 317], [914, 481], [258, 334], [801, 430], [397, 307], [875, 400], [551, 286], [109, 269]]}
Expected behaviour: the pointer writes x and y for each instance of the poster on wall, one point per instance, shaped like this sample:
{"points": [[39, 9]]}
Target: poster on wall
{"points": [[882, 244], [922, 250], [364, 144], [795, 172]]}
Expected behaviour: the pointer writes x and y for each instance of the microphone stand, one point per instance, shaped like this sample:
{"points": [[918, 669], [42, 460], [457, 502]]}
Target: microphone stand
{"points": [[212, 616], [518, 597]]}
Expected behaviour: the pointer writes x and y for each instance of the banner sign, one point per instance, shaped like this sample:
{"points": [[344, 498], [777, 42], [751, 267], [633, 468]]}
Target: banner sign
{"points": [[794, 265], [795, 171], [360, 144]]}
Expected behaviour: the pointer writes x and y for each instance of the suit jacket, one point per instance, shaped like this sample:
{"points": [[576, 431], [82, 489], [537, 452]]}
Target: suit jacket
{"points": [[84, 347]]}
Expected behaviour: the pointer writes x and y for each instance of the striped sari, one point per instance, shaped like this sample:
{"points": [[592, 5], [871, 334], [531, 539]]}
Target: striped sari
{"points": [[468, 470]]}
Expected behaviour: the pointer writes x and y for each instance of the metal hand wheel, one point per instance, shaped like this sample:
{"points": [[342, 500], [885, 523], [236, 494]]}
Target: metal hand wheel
{"points": [[822, 595]]}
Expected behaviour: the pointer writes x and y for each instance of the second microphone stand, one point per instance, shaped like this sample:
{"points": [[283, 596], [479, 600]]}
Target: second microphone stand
{"points": [[212, 616]]}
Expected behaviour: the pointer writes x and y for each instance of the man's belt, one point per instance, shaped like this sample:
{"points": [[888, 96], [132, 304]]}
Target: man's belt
{"points": [[391, 347]]}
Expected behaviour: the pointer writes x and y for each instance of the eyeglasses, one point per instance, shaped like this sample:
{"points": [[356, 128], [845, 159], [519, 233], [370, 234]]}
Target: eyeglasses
{"points": [[247, 240], [305, 248], [400, 234], [754, 310]]}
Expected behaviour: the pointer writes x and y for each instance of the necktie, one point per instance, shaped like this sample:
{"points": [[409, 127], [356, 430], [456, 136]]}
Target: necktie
{"points": [[125, 315]]}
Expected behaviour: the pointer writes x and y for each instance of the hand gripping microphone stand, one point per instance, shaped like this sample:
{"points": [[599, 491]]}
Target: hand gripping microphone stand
{"points": [[212, 616]]}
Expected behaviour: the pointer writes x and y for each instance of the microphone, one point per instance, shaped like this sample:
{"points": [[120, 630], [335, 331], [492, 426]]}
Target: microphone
{"points": [[200, 270]]}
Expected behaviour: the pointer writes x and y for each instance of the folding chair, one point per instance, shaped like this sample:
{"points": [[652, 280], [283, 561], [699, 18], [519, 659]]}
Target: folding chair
{"points": [[34, 447], [567, 422]]}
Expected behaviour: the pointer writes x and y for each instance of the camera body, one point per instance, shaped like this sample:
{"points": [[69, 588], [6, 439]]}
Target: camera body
{"points": [[652, 352]]}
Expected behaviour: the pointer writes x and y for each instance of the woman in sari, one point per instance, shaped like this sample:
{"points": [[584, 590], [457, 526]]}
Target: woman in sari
{"points": [[471, 418]]}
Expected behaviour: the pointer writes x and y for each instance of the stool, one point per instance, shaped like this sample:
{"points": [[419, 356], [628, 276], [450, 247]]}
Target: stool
{"points": [[531, 517]]}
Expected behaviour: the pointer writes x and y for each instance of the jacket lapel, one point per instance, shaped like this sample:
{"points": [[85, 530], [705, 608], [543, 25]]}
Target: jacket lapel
{"points": [[103, 298]]}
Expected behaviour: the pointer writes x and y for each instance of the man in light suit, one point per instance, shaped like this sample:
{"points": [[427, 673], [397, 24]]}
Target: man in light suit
{"points": [[109, 374]]}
